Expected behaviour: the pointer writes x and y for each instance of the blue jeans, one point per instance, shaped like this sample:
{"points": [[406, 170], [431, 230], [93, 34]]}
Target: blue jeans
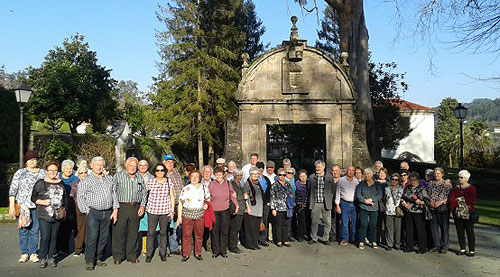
{"points": [[48, 238], [348, 212], [28, 237], [174, 238], [97, 234]]}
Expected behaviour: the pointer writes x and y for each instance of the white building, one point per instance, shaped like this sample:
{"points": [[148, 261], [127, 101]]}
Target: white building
{"points": [[419, 144]]}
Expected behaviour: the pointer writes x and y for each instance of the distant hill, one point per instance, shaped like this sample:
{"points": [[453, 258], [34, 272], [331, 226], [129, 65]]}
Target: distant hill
{"points": [[485, 110]]}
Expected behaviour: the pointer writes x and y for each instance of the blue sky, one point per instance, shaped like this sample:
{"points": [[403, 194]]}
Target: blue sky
{"points": [[123, 34]]}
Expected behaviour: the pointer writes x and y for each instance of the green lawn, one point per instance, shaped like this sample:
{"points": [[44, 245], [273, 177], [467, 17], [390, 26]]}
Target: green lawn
{"points": [[4, 210], [489, 211]]}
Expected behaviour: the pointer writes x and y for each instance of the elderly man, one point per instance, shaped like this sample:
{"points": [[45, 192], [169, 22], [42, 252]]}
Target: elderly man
{"points": [[269, 173], [254, 158], [131, 193], [67, 226], [344, 200], [321, 191], [377, 166], [220, 162], [96, 197], [175, 179], [334, 233], [404, 166]]}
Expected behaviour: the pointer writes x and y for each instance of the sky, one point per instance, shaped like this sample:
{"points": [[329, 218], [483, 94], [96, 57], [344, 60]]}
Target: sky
{"points": [[123, 35]]}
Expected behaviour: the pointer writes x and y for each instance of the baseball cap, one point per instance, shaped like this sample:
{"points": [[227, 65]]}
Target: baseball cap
{"points": [[168, 158]]}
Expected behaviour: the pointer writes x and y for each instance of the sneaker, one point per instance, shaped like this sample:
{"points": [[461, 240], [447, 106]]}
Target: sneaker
{"points": [[52, 262], [361, 245], [89, 266], [77, 254], [374, 245], [43, 263], [343, 243], [24, 258], [34, 258], [461, 252]]}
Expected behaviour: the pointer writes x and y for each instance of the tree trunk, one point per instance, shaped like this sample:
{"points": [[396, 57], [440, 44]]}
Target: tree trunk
{"points": [[200, 139], [354, 41], [211, 155]]}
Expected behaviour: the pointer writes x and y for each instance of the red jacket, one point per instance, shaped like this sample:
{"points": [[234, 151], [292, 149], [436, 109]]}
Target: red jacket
{"points": [[469, 193], [209, 216]]}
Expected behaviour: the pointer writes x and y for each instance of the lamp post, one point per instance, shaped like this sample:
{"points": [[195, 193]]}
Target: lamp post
{"points": [[460, 113], [23, 94]]}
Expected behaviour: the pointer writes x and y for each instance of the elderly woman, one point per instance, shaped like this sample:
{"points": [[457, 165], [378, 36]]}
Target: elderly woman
{"points": [[190, 214], [81, 222], [231, 167], [255, 207], [290, 178], [359, 174], [265, 184], [236, 220], [439, 194], [383, 182], [462, 204], [221, 193], [368, 193], [160, 210], [50, 198], [392, 195], [301, 205], [66, 227], [414, 199], [280, 191], [20, 204]]}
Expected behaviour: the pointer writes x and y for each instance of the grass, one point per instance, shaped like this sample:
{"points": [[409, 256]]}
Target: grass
{"points": [[4, 210], [489, 211]]}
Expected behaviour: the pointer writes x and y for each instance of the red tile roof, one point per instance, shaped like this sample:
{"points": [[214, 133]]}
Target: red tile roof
{"points": [[404, 105]]}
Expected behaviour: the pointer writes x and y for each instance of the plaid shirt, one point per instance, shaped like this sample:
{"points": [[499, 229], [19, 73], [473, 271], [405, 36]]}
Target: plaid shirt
{"points": [[96, 193], [159, 197], [176, 180], [320, 191]]}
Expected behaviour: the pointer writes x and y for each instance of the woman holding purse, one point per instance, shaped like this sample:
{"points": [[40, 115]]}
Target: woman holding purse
{"points": [[462, 200], [50, 198], [392, 195]]}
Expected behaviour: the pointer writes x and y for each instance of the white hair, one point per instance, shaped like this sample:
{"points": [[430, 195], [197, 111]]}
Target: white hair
{"points": [[231, 163], [319, 162], [254, 169], [464, 173], [65, 163], [237, 172], [131, 159], [207, 166], [97, 159], [368, 170], [286, 161], [379, 162], [291, 168]]}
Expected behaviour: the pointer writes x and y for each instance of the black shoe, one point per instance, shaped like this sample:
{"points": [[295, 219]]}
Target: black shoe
{"points": [[291, 239], [89, 266], [52, 262], [163, 258], [264, 244], [326, 242], [396, 248], [433, 249], [43, 263], [408, 250], [253, 248], [148, 259], [471, 254], [312, 242], [177, 252], [235, 251], [224, 255], [443, 251], [198, 257], [461, 252], [215, 255], [300, 240], [184, 259], [100, 263]]}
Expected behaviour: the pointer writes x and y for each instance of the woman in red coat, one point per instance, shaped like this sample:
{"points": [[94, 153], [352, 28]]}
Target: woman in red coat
{"points": [[462, 204]]}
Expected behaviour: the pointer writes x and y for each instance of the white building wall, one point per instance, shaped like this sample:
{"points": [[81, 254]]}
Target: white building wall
{"points": [[420, 141]]}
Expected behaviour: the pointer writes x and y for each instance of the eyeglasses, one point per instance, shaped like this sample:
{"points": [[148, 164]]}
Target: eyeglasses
{"points": [[281, 174], [394, 179], [160, 170], [289, 173], [460, 177], [404, 174]]}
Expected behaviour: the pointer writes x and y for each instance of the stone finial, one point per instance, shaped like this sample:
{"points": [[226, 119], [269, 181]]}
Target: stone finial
{"points": [[344, 56], [294, 34], [245, 57]]}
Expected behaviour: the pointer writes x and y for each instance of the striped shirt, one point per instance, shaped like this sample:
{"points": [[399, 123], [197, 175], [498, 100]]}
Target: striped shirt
{"points": [[96, 193], [130, 190]]}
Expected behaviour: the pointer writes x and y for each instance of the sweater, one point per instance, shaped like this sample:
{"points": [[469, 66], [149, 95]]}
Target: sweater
{"points": [[55, 192], [220, 194], [469, 193]]}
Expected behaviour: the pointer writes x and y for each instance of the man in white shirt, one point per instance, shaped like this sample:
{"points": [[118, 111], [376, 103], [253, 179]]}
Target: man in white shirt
{"points": [[269, 173], [254, 158]]}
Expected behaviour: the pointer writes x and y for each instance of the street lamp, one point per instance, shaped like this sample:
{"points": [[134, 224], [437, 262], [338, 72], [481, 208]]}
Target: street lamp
{"points": [[23, 94], [460, 113]]}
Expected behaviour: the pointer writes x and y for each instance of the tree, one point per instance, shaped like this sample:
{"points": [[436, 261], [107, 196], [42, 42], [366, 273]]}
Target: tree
{"points": [[254, 29], [201, 48], [71, 86], [446, 131], [385, 88]]}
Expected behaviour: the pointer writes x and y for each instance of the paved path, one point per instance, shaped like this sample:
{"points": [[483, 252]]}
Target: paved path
{"points": [[299, 260]]}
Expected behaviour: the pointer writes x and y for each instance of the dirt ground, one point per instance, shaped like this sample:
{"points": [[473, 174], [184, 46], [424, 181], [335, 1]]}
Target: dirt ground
{"points": [[299, 260]]}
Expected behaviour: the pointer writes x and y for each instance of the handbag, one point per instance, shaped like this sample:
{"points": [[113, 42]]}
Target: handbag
{"points": [[427, 213], [442, 209], [381, 206], [474, 217], [399, 212], [17, 210], [232, 207]]}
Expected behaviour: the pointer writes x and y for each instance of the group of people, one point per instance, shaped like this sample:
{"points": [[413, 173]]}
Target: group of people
{"points": [[252, 207]]}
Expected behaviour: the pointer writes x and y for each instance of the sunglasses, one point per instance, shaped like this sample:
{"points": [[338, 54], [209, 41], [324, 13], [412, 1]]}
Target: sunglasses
{"points": [[404, 174], [160, 170], [281, 174], [395, 179], [459, 177], [289, 173]]}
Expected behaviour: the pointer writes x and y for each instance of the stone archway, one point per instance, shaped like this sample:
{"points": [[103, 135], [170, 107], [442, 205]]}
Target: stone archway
{"points": [[295, 84]]}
